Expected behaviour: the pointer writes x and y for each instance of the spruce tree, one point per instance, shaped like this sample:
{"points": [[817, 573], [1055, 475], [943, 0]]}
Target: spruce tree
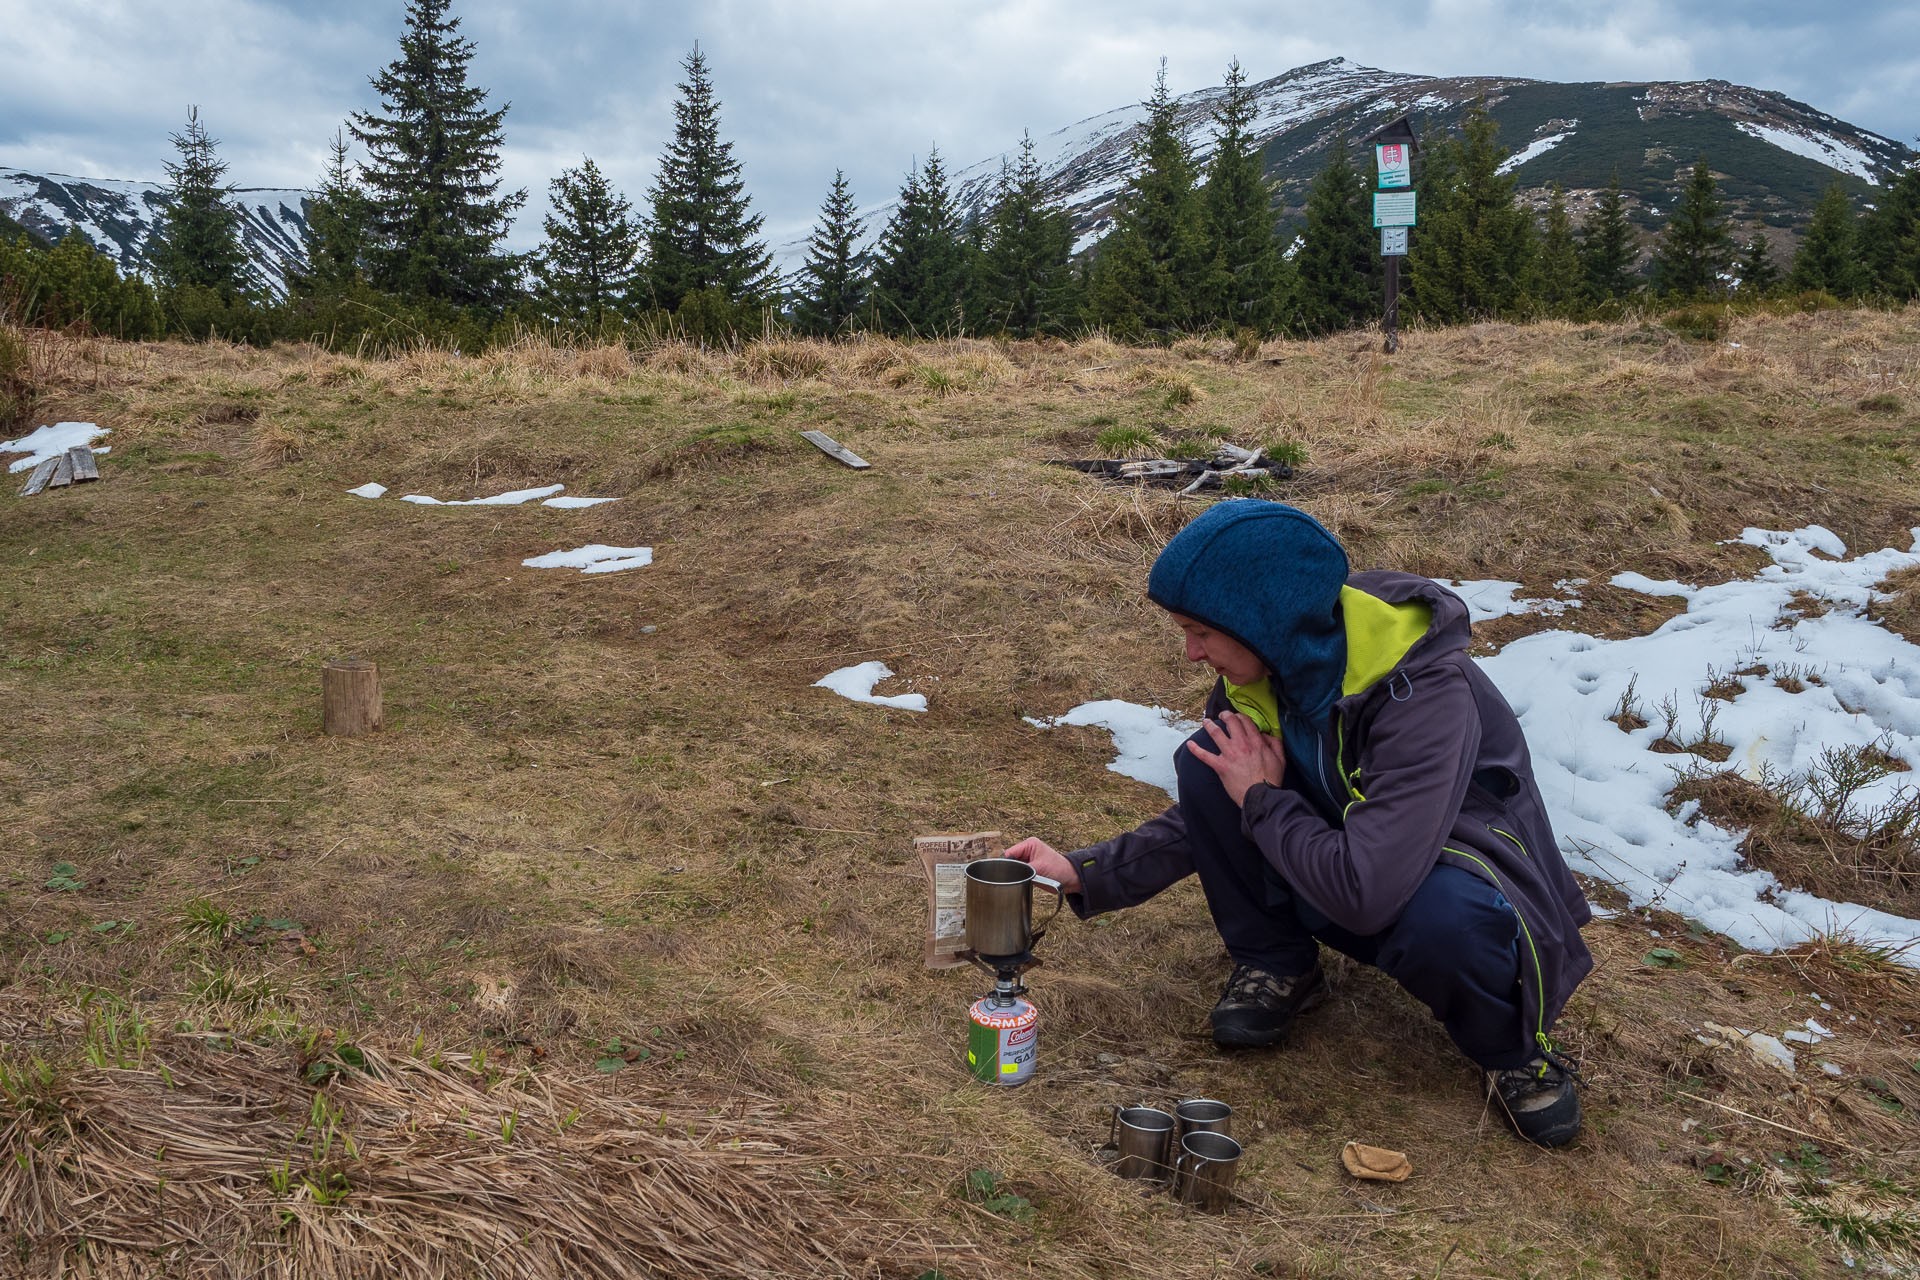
{"points": [[1560, 283], [1758, 274], [1026, 282], [200, 233], [1608, 248], [1696, 245], [1335, 263], [436, 217], [1828, 258], [835, 291], [336, 231], [1238, 247], [702, 236], [1890, 239], [1472, 256], [918, 281], [585, 271], [1149, 266]]}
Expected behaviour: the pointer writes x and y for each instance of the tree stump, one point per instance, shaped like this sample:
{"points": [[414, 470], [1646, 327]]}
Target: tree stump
{"points": [[350, 698]]}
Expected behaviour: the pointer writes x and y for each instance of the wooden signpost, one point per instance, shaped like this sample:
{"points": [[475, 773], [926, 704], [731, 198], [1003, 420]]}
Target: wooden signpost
{"points": [[1394, 213]]}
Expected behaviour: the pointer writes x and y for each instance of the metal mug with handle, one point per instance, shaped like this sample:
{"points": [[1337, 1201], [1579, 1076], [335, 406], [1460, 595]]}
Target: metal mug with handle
{"points": [[1144, 1138], [1000, 907], [1204, 1115], [1203, 1175]]}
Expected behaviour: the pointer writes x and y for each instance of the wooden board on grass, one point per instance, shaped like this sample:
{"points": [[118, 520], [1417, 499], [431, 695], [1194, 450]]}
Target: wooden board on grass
{"points": [[85, 468], [835, 450], [38, 480]]}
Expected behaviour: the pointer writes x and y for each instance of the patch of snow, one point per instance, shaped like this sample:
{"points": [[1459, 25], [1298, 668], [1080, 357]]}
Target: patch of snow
{"points": [[573, 504], [1817, 147], [595, 557], [1490, 598], [368, 490], [1145, 737], [512, 498], [1831, 1069], [1606, 792], [1533, 151], [1651, 587], [857, 683], [45, 442]]}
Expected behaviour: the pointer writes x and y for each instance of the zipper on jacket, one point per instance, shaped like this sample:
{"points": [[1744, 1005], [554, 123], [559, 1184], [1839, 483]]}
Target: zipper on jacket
{"points": [[1539, 976], [1510, 836], [1340, 767]]}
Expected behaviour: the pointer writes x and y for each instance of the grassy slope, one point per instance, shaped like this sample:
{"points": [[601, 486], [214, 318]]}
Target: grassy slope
{"points": [[620, 799]]}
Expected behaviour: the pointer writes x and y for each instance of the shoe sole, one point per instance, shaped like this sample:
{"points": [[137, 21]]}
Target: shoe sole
{"points": [[1237, 1038]]}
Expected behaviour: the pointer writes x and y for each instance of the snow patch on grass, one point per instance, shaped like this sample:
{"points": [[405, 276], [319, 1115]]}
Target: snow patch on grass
{"points": [[50, 442], [1145, 737], [594, 558], [1491, 598], [511, 498], [857, 683]]}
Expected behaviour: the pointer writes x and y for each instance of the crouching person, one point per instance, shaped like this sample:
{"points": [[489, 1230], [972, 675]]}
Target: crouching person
{"points": [[1358, 783]]}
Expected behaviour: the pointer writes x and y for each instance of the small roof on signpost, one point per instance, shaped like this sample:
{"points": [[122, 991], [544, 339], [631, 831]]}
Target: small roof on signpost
{"points": [[1400, 130]]}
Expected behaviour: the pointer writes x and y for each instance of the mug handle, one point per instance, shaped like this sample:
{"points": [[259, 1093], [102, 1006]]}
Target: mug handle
{"points": [[1180, 1167], [1113, 1126], [1059, 901]]}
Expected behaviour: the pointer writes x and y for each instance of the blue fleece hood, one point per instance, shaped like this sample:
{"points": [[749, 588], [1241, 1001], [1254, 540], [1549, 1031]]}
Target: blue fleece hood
{"points": [[1268, 575]]}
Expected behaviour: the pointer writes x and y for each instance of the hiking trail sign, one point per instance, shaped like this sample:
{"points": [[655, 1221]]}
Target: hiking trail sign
{"points": [[1393, 213]]}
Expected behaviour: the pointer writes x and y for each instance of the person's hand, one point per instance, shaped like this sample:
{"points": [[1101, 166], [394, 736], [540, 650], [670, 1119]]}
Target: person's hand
{"points": [[1047, 861], [1246, 755]]}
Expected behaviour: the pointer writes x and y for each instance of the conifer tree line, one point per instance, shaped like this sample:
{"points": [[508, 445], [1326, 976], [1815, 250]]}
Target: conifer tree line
{"points": [[409, 240]]}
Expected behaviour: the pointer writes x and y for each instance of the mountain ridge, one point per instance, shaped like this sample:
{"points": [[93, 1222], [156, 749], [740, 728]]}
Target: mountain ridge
{"points": [[1774, 157]]}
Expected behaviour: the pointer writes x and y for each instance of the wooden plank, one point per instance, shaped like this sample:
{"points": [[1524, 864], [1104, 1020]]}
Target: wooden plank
{"points": [[62, 473], [835, 450], [84, 466], [38, 480]]}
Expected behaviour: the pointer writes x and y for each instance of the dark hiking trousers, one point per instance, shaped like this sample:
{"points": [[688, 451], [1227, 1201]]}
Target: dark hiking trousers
{"points": [[1455, 947]]}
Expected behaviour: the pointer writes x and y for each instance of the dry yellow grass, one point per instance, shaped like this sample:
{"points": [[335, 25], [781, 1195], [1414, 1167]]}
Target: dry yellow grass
{"points": [[615, 807]]}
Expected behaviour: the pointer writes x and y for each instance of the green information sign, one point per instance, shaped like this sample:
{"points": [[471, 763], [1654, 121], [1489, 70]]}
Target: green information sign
{"points": [[1393, 208]]}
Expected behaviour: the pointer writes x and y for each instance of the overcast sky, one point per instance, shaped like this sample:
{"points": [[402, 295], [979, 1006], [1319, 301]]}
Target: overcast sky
{"points": [[93, 87]]}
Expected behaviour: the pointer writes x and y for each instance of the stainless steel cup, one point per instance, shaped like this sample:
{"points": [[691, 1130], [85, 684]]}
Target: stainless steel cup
{"points": [[1144, 1137], [1203, 1175], [1204, 1115], [1000, 907]]}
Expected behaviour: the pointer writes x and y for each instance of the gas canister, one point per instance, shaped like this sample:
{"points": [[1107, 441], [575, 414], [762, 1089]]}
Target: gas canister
{"points": [[1003, 1039]]}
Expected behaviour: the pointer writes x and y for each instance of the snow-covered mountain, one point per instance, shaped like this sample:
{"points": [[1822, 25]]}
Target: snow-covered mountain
{"points": [[1774, 155], [120, 217]]}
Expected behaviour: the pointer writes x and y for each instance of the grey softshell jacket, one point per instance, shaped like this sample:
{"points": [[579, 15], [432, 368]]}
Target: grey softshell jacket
{"points": [[1434, 769]]}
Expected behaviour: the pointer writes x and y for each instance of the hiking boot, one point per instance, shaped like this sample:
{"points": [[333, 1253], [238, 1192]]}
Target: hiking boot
{"points": [[1257, 1007], [1539, 1099]]}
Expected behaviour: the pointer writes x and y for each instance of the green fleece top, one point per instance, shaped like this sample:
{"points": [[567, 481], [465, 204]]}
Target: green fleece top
{"points": [[1378, 636]]}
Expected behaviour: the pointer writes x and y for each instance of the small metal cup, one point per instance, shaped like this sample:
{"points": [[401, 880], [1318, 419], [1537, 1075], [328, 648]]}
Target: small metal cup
{"points": [[1000, 907], [1204, 1115], [1203, 1175], [1144, 1136]]}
